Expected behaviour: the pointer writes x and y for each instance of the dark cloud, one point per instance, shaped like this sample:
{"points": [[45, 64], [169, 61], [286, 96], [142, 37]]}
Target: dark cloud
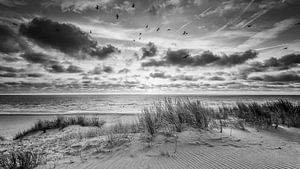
{"points": [[10, 41], [65, 37], [125, 70], [17, 74], [183, 58], [34, 75], [104, 52], [74, 69], [56, 68], [9, 74], [33, 57], [49, 63], [236, 58], [161, 75], [10, 69], [9, 58], [185, 78], [289, 76], [154, 63], [284, 62], [100, 69], [149, 51], [216, 78], [107, 69], [272, 64]]}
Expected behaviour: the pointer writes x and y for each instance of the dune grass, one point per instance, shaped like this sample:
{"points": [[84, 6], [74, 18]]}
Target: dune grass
{"points": [[176, 114], [59, 123], [268, 114], [20, 160]]}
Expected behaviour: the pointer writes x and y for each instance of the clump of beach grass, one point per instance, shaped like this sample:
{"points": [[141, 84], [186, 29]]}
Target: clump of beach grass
{"points": [[61, 122], [20, 160], [176, 114], [269, 113]]}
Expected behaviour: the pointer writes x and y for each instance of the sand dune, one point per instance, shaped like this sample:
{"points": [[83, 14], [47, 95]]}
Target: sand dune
{"points": [[205, 149], [223, 153]]}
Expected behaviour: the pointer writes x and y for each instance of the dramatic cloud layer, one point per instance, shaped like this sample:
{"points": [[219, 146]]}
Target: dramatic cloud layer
{"points": [[65, 37], [149, 46], [101, 69], [278, 77], [10, 42], [149, 51], [183, 58]]}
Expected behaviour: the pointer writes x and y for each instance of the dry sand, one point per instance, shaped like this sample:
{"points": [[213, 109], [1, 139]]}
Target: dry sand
{"points": [[195, 149]]}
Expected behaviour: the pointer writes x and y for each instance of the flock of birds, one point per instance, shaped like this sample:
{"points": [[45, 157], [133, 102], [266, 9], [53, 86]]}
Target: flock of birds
{"points": [[169, 29], [97, 7], [147, 26]]}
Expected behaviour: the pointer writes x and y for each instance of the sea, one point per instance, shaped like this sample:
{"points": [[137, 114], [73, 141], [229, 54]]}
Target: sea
{"points": [[114, 103]]}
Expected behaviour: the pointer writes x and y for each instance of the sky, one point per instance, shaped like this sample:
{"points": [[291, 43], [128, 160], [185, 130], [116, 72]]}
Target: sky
{"points": [[150, 46]]}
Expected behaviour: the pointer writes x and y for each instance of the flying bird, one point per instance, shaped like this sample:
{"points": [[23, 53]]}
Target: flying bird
{"points": [[184, 33], [147, 26], [15, 24], [157, 29], [133, 40], [168, 29], [57, 30], [133, 5], [140, 38], [90, 31], [117, 16], [140, 34], [97, 7], [285, 48], [249, 25], [184, 57], [297, 23]]}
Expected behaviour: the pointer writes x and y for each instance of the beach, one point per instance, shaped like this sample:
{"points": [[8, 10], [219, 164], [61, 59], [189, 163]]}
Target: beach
{"points": [[123, 140]]}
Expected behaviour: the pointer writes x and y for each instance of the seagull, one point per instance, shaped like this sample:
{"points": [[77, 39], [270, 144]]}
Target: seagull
{"points": [[147, 26], [157, 29], [97, 7], [117, 16], [184, 57], [133, 5], [168, 29]]}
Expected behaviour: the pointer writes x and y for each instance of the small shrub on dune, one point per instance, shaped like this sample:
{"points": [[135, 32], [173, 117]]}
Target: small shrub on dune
{"points": [[20, 160]]}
